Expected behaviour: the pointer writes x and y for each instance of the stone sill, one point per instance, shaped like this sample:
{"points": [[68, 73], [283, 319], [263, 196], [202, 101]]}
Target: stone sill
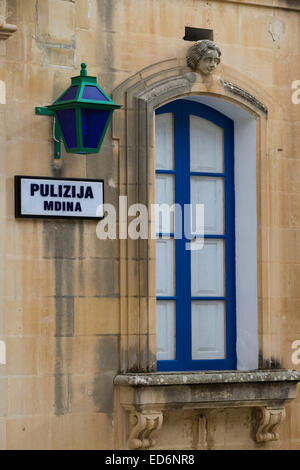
{"points": [[192, 378], [209, 389], [147, 395]]}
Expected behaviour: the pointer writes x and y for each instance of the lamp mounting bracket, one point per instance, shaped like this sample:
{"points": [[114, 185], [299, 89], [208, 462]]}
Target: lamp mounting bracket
{"points": [[42, 111]]}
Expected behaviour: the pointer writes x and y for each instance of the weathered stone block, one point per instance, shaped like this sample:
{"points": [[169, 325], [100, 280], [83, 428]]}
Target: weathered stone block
{"points": [[22, 432], [56, 21], [94, 316], [59, 56], [21, 355], [83, 13]]}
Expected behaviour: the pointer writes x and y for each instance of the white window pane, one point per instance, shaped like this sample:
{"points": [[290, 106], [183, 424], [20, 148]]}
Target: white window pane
{"points": [[207, 270], [164, 141], [164, 189], [164, 196], [206, 145], [165, 265], [209, 192], [208, 330], [165, 329]]}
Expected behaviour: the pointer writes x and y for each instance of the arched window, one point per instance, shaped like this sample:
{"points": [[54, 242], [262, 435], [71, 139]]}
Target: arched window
{"points": [[196, 317]]}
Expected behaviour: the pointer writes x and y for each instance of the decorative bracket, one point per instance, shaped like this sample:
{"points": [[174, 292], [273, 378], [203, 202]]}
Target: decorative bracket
{"points": [[6, 30], [56, 132], [269, 421], [143, 425]]}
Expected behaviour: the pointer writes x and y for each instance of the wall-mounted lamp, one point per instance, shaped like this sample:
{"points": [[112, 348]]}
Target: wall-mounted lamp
{"points": [[82, 114]]}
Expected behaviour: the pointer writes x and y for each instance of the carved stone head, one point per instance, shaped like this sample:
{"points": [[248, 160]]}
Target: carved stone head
{"points": [[204, 56]]}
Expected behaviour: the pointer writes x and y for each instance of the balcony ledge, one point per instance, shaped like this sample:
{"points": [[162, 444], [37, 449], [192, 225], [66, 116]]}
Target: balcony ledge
{"points": [[147, 395], [183, 378]]}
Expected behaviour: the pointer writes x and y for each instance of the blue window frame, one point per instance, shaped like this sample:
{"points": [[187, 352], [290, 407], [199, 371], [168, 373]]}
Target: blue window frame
{"points": [[181, 111]]}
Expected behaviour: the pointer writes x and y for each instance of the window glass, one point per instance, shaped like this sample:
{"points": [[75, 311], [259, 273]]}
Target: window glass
{"points": [[206, 144]]}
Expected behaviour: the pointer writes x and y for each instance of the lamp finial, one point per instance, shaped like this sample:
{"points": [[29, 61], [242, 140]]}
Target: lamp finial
{"points": [[83, 71]]}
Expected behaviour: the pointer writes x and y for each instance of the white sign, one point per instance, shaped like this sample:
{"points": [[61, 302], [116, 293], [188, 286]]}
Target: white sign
{"points": [[57, 197]]}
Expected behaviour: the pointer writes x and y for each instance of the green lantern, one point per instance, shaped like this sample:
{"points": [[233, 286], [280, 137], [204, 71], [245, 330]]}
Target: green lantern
{"points": [[83, 113]]}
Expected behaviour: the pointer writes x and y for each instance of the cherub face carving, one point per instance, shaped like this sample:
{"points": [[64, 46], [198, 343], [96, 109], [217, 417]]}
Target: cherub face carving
{"points": [[209, 62], [204, 56]]}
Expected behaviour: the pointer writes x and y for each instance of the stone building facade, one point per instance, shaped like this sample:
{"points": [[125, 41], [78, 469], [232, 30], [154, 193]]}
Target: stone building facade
{"points": [[78, 324]]}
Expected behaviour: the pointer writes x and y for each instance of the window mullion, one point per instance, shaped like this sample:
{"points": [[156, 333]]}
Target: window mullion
{"points": [[179, 256], [186, 271]]}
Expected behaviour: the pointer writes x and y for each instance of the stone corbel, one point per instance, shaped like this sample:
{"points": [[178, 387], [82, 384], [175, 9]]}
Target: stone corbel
{"points": [[268, 423], [143, 424], [6, 30]]}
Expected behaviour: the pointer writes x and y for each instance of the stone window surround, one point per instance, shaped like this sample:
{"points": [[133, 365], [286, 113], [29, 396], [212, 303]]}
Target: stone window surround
{"points": [[138, 388], [133, 147]]}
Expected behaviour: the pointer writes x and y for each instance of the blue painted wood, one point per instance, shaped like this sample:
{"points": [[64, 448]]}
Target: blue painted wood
{"points": [[203, 173], [182, 109], [166, 297]]}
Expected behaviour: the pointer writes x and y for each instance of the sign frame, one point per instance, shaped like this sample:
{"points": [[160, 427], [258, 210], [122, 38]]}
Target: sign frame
{"points": [[18, 196]]}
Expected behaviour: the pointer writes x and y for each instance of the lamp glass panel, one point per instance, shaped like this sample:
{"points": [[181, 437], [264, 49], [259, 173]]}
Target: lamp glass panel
{"points": [[70, 94], [67, 121], [92, 93], [93, 122]]}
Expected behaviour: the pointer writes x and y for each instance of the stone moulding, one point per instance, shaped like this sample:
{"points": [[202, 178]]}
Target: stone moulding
{"points": [[145, 397], [6, 30], [245, 95]]}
